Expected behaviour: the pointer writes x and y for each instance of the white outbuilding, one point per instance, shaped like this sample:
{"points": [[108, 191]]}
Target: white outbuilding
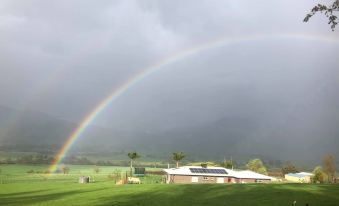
{"points": [[301, 177]]}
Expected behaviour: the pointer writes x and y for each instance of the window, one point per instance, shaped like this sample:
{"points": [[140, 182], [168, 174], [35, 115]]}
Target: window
{"points": [[194, 179], [220, 180], [205, 178]]}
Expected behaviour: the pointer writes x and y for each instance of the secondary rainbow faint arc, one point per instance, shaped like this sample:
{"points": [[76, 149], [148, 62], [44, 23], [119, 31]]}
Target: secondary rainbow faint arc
{"points": [[55, 77], [130, 82]]}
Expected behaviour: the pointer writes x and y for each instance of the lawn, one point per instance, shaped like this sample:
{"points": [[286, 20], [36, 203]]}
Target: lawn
{"points": [[64, 190]]}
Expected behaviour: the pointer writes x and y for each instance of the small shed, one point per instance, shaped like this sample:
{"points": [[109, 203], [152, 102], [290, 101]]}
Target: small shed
{"points": [[84, 179]]}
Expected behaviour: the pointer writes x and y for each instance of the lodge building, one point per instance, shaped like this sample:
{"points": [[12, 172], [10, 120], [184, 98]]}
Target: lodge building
{"points": [[196, 174]]}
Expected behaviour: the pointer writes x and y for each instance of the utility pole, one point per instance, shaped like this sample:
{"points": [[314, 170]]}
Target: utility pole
{"points": [[232, 162]]}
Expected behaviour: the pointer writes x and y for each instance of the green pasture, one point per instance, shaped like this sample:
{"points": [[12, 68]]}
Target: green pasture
{"points": [[62, 189], [36, 173]]}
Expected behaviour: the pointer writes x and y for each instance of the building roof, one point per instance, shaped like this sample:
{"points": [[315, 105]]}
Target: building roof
{"points": [[216, 172], [198, 171], [306, 173], [247, 174], [300, 174]]}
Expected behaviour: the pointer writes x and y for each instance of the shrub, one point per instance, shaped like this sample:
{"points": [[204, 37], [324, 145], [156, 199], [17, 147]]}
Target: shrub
{"points": [[30, 171]]}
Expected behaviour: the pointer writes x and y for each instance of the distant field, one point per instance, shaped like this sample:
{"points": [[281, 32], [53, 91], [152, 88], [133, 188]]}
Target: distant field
{"points": [[35, 189], [35, 173]]}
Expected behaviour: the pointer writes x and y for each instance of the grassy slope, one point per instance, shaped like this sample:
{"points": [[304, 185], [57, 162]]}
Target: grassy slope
{"points": [[106, 193], [33, 189]]}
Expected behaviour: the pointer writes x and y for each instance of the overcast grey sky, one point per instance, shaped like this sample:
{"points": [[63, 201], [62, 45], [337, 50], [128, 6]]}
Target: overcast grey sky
{"points": [[63, 57]]}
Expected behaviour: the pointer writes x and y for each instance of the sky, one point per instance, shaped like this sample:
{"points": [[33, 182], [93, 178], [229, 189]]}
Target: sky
{"points": [[63, 57]]}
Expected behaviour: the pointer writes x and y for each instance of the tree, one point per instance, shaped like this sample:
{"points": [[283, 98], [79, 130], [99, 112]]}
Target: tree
{"points": [[96, 169], [329, 167], [288, 168], [227, 164], [65, 169], [204, 165], [256, 165], [319, 175], [132, 156], [177, 157], [329, 12]]}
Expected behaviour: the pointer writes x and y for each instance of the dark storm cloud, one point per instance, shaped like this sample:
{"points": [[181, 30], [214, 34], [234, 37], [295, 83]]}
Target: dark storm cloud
{"points": [[77, 43], [93, 40]]}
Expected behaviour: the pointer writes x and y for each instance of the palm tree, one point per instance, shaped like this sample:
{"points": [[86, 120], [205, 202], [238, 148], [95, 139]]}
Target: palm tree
{"points": [[132, 156], [177, 157]]}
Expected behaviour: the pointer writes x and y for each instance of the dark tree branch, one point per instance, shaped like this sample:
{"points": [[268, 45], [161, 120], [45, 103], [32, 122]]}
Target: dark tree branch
{"points": [[328, 11]]}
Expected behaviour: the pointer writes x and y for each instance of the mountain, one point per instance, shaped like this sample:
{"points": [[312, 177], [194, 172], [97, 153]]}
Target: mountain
{"points": [[31, 130], [231, 136], [34, 131]]}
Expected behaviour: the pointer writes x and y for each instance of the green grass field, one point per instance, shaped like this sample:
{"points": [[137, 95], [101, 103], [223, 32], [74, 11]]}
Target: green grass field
{"points": [[22, 188]]}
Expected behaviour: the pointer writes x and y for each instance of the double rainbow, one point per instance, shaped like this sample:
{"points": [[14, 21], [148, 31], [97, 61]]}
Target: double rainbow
{"points": [[138, 77]]}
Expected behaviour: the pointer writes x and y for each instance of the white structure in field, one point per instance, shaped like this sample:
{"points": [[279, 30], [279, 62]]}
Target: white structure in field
{"points": [[301, 177]]}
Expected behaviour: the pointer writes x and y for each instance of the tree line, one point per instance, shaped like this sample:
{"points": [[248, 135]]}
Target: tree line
{"points": [[322, 173]]}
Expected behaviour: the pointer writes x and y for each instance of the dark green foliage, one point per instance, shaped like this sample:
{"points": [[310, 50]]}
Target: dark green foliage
{"points": [[105, 163], [319, 175], [329, 12], [177, 157], [329, 167], [65, 169], [74, 160], [45, 159], [227, 164], [288, 168], [204, 165], [30, 171], [133, 156], [256, 165]]}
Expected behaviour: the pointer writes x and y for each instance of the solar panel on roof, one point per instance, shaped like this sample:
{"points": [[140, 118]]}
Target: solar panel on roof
{"points": [[223, 172], [210, 171]]}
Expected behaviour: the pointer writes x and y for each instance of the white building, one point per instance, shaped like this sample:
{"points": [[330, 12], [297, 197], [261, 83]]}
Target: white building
{"points": [[196, 174], [301, 177]]}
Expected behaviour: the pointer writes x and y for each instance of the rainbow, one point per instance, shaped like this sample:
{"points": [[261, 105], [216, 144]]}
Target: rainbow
{"points": [[177, 56]]}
